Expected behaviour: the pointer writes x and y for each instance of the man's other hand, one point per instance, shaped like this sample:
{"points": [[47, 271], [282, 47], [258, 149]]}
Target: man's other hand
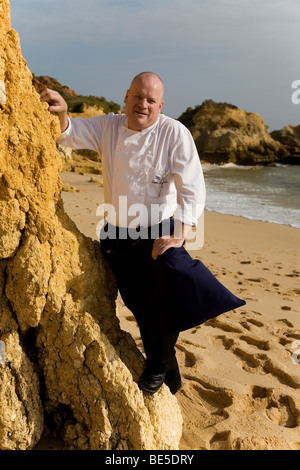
{"points": [[162, 244]]}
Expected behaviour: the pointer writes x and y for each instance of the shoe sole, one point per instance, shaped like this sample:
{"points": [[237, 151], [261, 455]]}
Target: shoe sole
{"points": [[173, 390], [149, 391]]}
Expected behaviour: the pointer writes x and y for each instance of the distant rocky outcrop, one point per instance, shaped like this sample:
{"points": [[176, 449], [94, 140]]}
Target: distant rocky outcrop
{"points": [[42, 82], [76, 103], [224, 133], [289, 137], [65, 363]]}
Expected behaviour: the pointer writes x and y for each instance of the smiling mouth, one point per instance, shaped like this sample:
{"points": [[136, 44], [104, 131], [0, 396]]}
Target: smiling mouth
{"points": [[141, 114]]}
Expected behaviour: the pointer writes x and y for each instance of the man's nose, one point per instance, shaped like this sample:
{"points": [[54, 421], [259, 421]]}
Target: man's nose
{"points": [[143, 103]]}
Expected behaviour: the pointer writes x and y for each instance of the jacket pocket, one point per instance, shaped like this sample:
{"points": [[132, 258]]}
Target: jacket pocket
{"points": [[157, 182]]}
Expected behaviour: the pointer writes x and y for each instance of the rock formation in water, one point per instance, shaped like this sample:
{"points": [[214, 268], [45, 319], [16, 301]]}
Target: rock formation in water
{"points": [[289, 137], [224, 133], [63, 357]]}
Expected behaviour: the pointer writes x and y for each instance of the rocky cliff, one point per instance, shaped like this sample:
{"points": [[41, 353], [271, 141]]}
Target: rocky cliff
{"points": [[224, 133], [64, 360]]}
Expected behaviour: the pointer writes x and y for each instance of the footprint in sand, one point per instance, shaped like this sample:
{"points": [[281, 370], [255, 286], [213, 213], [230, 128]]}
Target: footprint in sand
{"points": [[225, 325], [255, 322], [256, 279], [286, 321], [195, 330], [279, 408], [294, 273], [284, 374], [189, 357], [268, 403], [214, 398], [257, 353], [263, 345], [130, 318]]}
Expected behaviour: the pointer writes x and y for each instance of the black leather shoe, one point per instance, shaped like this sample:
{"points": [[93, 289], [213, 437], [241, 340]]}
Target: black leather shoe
{"points": [[173, 381], [151, 383]]}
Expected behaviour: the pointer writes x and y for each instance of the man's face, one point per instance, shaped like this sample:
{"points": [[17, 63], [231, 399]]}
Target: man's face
{"points": [[143, 102]]}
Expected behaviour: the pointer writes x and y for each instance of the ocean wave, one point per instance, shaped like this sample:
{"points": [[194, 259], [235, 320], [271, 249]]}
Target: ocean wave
{"points": [[238, 167], [270, 194], [231, 166], [257, 218]]}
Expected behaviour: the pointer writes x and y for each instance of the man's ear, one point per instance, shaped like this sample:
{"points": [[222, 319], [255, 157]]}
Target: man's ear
{"points": [[126, 96], [161, 105]]}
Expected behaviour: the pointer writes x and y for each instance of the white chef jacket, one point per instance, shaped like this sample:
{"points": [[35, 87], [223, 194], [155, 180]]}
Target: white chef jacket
{"points": [[153, 174]]}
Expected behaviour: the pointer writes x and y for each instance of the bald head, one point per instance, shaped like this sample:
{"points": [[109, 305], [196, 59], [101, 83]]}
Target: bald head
{"points": [[151, 76], [144, 100]]}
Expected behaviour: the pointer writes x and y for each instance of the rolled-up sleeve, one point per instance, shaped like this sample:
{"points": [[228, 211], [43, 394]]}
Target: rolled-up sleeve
{"points": [[82, 134], [188, 177]]}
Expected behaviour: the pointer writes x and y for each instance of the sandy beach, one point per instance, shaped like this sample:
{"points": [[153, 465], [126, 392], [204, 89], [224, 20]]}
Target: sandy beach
{"points": [[241, 371]]}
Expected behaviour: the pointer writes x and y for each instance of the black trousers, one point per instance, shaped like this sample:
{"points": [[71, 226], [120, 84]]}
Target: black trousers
{"points": [[135, 272], [170, 294]]}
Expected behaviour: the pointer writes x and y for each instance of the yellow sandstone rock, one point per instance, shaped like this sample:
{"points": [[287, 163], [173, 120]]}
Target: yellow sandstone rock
{"points": [[58, 324]]}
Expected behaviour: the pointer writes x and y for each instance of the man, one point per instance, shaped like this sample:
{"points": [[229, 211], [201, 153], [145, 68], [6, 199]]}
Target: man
{"points": [[152, 161]]}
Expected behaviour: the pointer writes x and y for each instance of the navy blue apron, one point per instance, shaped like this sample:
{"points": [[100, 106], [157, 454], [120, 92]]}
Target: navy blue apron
{"points": [[170, 294]]}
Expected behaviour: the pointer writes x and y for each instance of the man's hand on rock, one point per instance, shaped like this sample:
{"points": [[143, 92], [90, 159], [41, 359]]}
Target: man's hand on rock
{"points": [[58, 105]]}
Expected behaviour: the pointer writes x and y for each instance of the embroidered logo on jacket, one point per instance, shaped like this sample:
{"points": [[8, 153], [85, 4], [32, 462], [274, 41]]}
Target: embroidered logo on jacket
{"points": [[159, 179]]}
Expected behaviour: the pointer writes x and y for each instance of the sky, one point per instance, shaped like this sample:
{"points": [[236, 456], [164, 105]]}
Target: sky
{"points": [[244, 52]]}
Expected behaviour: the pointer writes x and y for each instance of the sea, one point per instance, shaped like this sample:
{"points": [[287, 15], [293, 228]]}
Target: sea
{"points": [[266, 193]]}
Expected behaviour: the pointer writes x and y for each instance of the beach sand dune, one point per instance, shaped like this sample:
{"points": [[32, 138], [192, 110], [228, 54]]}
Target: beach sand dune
{"points": [[241, 371]]}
